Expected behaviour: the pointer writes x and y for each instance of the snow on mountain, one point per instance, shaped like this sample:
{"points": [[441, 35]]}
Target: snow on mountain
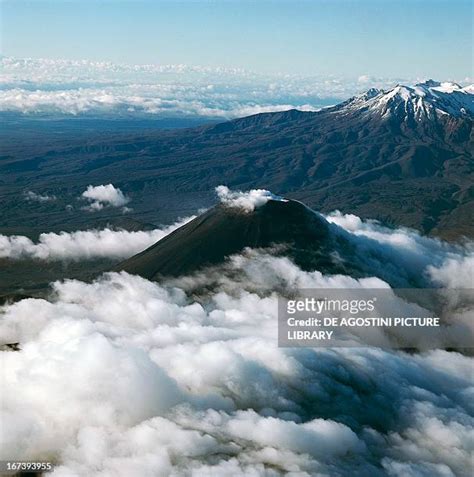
{"points": [[429, 99]]}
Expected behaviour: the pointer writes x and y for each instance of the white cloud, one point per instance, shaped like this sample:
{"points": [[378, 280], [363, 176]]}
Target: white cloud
{"points": [[45, 86], [402, 252], [247, 201], [126, 377], [83, 245], [34, 197], [183, 101], [454, 272], [104, 195]]}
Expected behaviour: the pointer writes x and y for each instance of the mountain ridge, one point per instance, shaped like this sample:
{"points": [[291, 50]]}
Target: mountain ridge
{"points": [[421, 100], [415, 173], [432, 98]]}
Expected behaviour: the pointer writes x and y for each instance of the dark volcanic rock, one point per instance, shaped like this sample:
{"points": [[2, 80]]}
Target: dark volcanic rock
{"points": [[289, 227]]}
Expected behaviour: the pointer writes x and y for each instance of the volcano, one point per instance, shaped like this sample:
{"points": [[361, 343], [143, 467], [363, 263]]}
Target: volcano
{"points": [[282, 226]]}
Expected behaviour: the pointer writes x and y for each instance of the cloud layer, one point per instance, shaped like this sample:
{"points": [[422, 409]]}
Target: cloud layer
{"points": [[124, 377], [83, 245], [33, 86], [402, 254]]}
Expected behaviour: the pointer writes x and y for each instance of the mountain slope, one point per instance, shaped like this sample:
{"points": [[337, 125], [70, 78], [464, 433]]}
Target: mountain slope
{"points": [[276, 227], [286, 226], [425, 100], [403, 156]]}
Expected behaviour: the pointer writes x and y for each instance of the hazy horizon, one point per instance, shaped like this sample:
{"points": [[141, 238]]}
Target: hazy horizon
{"points": [[390, 38]]}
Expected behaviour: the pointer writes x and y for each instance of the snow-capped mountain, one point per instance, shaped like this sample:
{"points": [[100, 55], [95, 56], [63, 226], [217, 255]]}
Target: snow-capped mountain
{"points": [[429, 99]]}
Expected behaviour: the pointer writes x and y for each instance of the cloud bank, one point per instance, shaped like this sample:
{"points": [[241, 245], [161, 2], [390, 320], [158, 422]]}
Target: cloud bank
{"points": [[404, 253], [45, 86], [83, 245], [125, 377]]}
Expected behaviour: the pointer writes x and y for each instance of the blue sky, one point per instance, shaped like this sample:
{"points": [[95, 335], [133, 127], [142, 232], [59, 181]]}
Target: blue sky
{"points": [[401, 38]]}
